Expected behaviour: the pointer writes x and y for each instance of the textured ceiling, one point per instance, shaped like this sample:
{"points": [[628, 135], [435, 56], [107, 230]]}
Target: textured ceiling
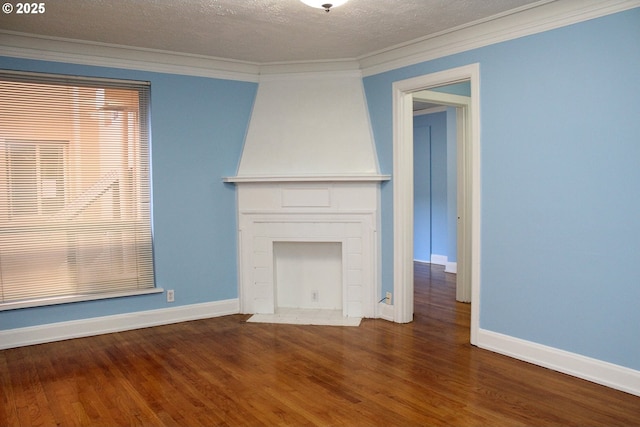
{"points": [[261, 31]]}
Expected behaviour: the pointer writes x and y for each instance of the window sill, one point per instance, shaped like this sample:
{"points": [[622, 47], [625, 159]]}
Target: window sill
{"points": [[76, 298]]}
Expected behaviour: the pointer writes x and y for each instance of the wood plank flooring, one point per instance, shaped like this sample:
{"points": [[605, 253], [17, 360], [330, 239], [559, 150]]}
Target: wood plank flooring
{"points": [[226, 372]]}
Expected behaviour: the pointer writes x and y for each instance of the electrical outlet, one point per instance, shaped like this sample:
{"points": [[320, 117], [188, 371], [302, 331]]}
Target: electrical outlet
{"points": [[387, 299], [314, 296], [170, 295]]}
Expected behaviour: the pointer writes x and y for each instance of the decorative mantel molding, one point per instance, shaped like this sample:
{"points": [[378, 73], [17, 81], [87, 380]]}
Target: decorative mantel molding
{"points": [[306, 178]]}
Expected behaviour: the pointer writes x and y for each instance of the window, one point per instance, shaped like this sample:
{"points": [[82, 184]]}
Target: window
{"points": [[75, 211], [35, 177]]}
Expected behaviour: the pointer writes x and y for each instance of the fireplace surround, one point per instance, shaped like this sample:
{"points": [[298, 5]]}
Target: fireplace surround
{"points": [[344, 212]]}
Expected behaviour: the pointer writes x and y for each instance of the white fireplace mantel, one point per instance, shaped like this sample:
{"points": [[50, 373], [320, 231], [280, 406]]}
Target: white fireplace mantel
{"points": [[307, 178], [341, 209]]}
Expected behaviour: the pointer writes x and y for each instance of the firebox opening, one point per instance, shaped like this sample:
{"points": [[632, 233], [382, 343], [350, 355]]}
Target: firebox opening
{"points": [[308, 275]]}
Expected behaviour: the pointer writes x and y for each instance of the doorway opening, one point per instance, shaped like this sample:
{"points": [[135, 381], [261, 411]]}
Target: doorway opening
{"points": [[446, 141], [468, 186]]}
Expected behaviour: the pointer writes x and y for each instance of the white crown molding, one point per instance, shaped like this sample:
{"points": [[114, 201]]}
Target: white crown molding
{"points": [[544, 16], [51, 332], [28, 46], [539, 17], [594, 370], [281, 68], [294, 74]]}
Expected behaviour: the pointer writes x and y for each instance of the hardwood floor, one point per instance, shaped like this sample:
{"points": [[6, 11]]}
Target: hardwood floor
{"points": [[224, 371]]}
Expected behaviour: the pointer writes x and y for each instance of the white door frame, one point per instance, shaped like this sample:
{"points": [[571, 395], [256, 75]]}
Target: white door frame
{"points": [[403, 189]]}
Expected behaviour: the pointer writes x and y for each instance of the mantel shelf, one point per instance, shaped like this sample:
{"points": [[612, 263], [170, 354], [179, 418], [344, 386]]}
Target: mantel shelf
{"points": [[306, 178]]}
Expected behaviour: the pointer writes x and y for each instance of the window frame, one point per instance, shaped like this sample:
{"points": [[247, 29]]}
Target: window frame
{"points": [[142, 162]]}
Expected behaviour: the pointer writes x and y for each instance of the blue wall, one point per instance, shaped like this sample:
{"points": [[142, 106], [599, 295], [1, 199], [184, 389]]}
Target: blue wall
{"points": [[560, 167], [421, 190], [198, 128]]}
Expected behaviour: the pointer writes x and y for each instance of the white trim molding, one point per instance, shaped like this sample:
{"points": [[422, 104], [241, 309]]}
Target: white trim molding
{"points": [[530, 19], [451, 267], [594, 370], [30, 46], [374, 177], [51, 332], [385, 311], [439, 259], [76, 298], [402, 93]]}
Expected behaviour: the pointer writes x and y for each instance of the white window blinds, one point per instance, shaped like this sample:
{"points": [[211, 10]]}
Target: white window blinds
{"points": [[75, 218]]}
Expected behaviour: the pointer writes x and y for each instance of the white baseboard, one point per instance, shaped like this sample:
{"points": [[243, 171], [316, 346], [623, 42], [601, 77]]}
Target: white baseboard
{"points": [[451, 267], [385, 311], [120, 322], [594, 370], [439, 259]]}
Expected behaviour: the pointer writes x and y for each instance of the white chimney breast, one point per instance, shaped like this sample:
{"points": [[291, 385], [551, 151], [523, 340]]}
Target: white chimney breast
{"points": [[309, 175], [307, 125]]}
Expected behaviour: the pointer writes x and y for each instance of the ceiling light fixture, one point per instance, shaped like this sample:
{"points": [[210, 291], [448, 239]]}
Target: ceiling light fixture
{"points": [[324, 4]]}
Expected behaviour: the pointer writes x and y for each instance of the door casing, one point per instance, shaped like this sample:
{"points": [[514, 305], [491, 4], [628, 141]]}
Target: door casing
{"points": [[468, 177]]}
